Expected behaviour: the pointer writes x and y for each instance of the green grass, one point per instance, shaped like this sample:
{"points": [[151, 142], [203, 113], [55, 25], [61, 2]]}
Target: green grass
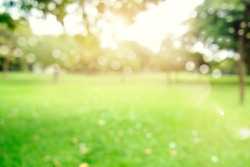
{"points": [[110, 121]]}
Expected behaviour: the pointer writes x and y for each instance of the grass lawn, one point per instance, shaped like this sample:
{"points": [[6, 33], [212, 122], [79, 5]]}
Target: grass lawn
{"points": [[110, 121]]}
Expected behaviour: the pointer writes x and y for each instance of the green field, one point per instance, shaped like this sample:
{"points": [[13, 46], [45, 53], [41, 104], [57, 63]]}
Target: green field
{"points": [[111, 121]]}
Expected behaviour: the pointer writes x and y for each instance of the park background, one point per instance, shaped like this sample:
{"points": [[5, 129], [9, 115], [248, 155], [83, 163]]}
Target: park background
{"points": [[124, 83]]}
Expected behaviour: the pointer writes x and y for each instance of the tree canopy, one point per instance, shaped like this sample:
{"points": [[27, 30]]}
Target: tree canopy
{"points": [[228, 26], [59, 8], [221, 23]]}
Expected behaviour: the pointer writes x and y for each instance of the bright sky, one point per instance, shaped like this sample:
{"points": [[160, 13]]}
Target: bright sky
{"points": [[149, 29]]}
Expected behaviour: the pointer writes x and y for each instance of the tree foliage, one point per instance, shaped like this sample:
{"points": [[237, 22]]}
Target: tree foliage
{"points": [[222, 23], [7, 20], [58, 8], [228, 26]]}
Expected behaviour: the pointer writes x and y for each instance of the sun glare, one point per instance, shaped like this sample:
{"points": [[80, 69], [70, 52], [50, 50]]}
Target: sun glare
{"points": [[48, 26], [111, 27], [149, 29], [158, 22]]}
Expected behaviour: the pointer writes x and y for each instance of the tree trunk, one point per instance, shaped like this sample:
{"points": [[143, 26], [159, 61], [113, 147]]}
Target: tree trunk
{"points": [[241, 69], [247, 62], [168, 77], [5, 67], [56, 72]]}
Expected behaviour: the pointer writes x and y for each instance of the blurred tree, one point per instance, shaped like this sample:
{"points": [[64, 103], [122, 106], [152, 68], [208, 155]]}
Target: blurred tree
{"points": [[7, 45], [227, 25], [23, 9], [134, 51], [173, 58], [87, 49], [6, 19], [90, 10]]}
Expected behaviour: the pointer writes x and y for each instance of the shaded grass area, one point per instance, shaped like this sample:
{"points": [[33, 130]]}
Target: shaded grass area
{"points": [[107, 121]]}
